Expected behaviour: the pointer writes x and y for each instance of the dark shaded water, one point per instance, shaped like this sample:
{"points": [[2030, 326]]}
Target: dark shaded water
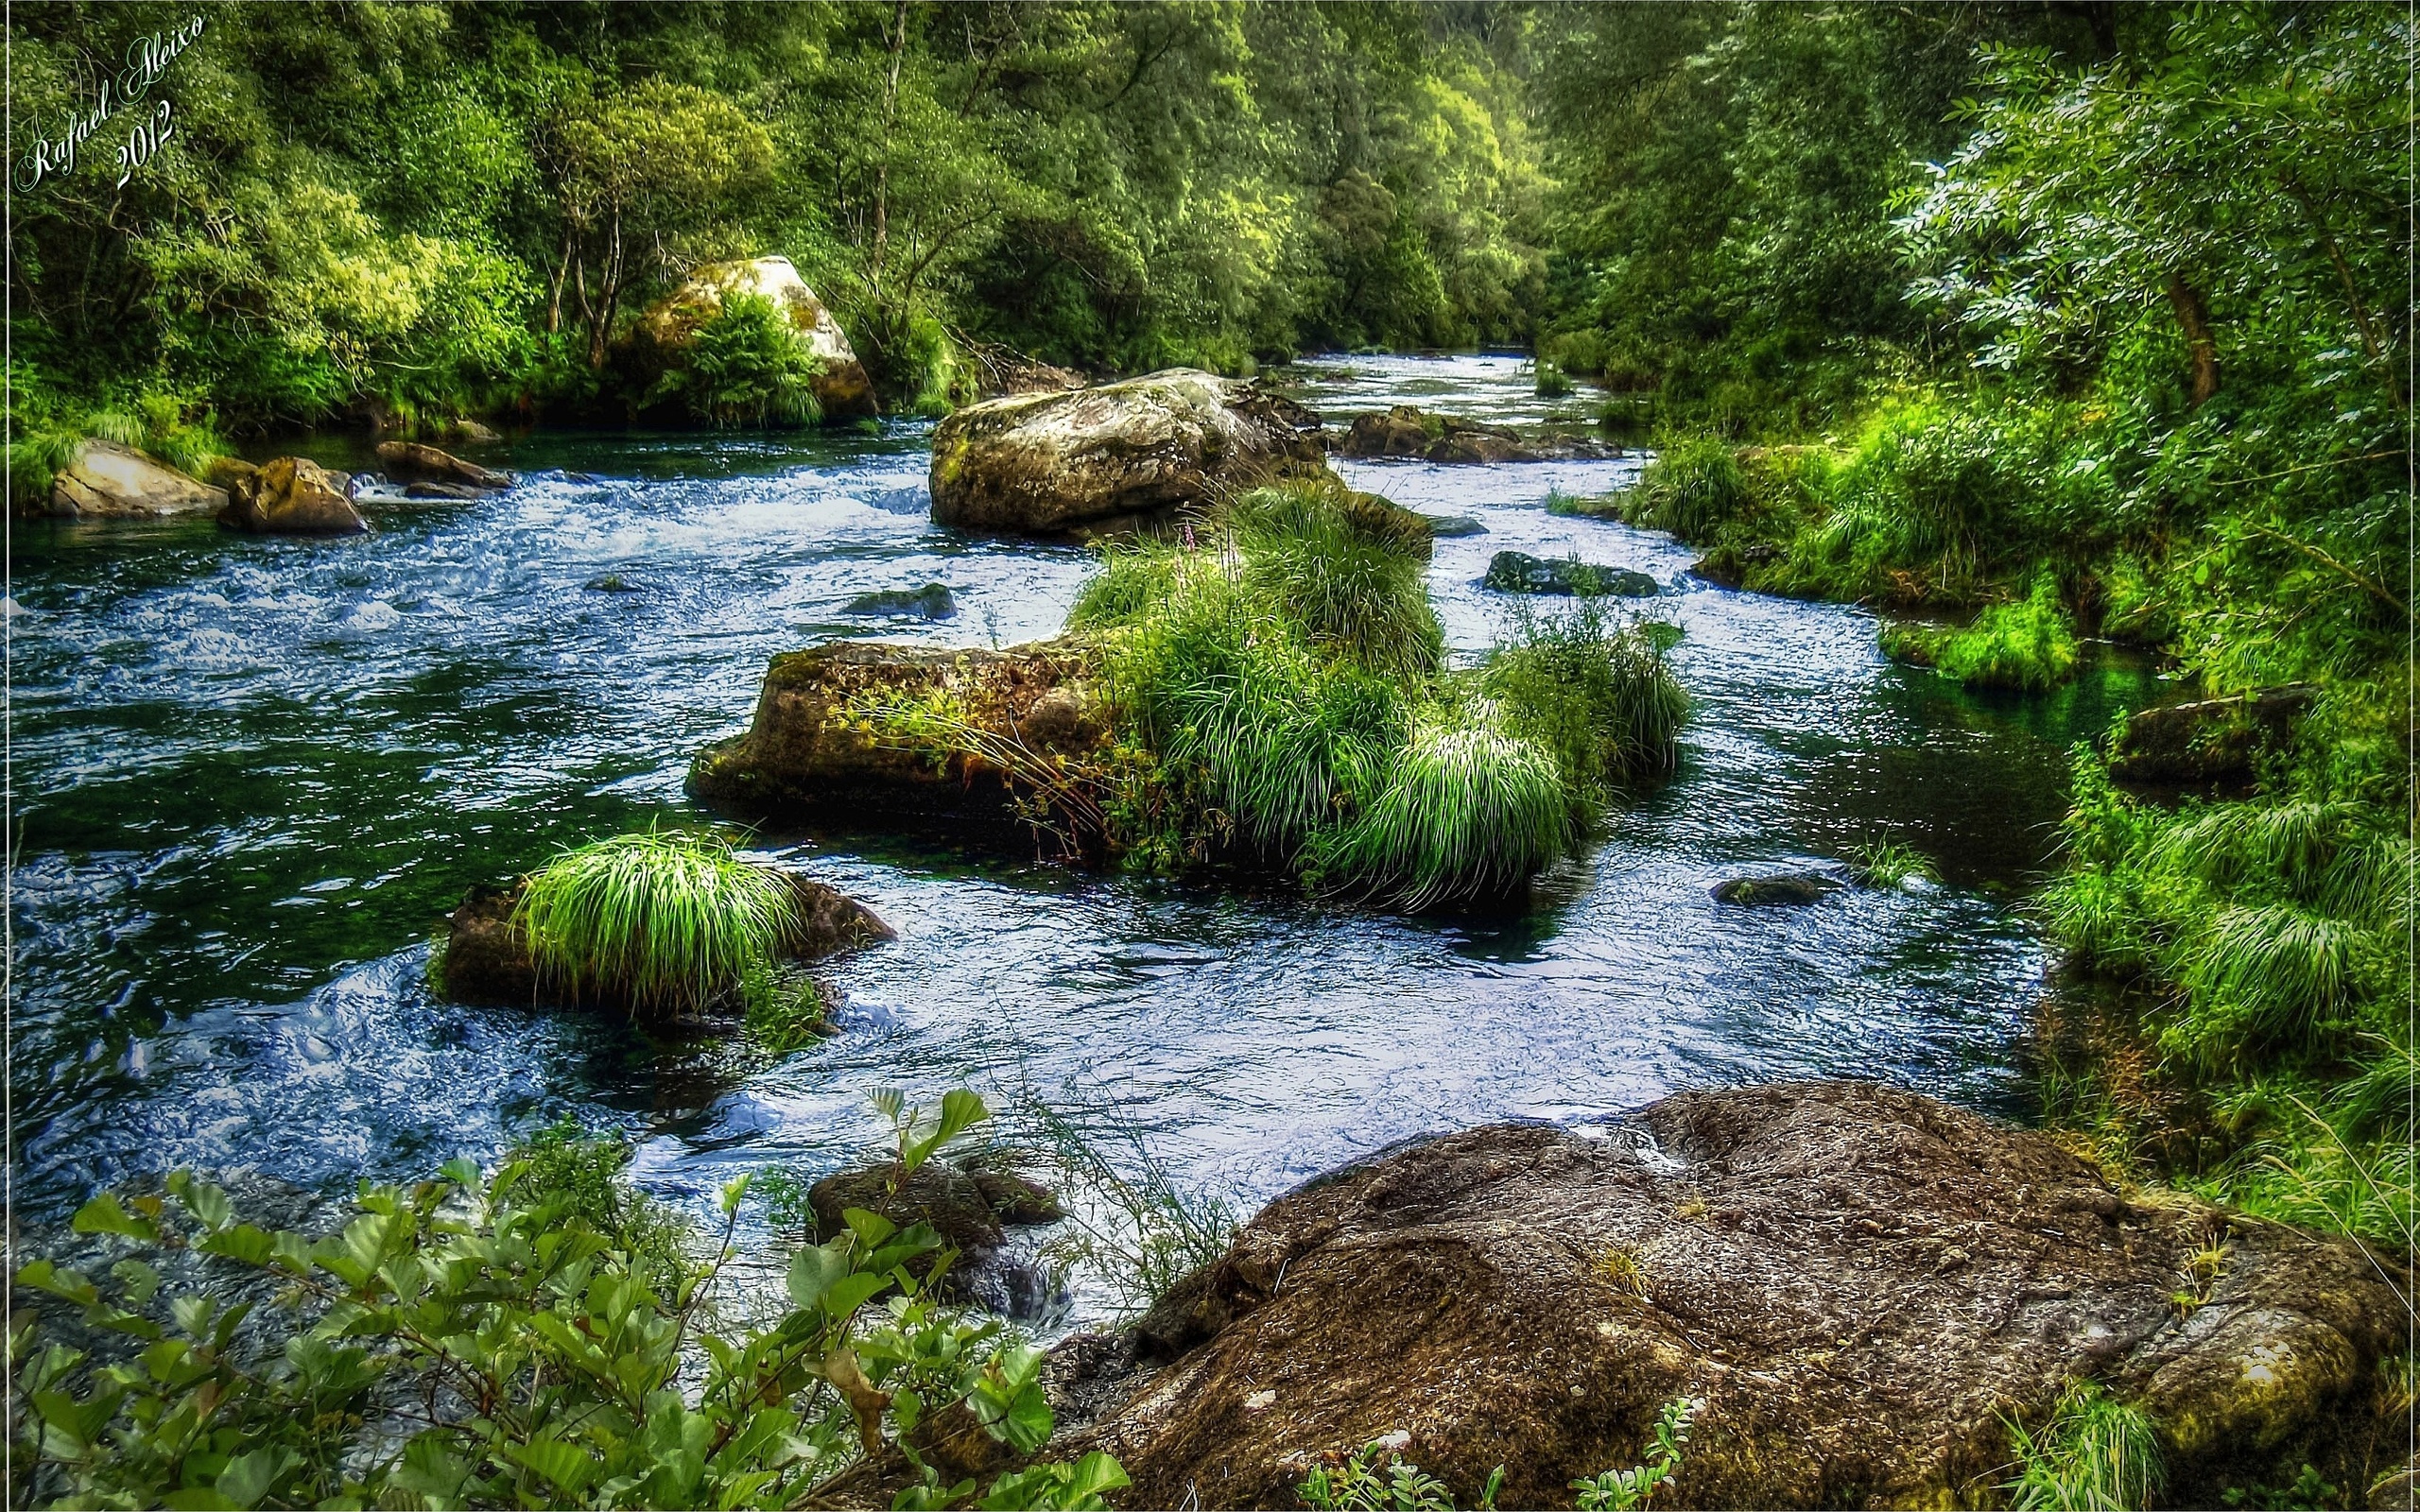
{"points": [[253, 775]]}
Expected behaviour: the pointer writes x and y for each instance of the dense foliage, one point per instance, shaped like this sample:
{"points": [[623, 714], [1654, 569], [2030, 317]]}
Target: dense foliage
{"points": [[2127, 355], [423, 210], [537, 1337]]}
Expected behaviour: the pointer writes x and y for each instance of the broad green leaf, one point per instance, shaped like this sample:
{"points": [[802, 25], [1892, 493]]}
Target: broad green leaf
{"points": [[813, 1271], [105, 1216], [248, 1477]]}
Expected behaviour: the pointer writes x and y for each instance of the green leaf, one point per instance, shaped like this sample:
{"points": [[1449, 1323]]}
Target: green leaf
{"points": [[870, 1228], [239, 1242], [105, 1216], [248, 1478], [813, 1271], [566, 1468], [845, 1295]]}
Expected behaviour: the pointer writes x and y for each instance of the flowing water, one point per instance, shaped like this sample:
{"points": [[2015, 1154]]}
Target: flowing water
{"points": [[252, 776]]}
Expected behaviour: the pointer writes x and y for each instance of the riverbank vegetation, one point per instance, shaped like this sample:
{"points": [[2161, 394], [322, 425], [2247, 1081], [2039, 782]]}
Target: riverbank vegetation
{"points": [[2094, 321], [540, 1336], [398, 212]]}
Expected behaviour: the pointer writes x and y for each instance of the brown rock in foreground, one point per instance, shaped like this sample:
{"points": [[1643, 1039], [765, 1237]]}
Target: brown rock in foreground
{"points": [[809, 754], [487, 962], [1096, 458], [292, 497], [1862, 1285]]}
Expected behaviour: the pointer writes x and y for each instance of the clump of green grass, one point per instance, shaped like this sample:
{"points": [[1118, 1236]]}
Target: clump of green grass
{"points": [[2027, 644], [785, 1009], [2095, 1455], [668, 921], [1693, 486], [1467, 810], [1351, 587], [1553, 383], [1584, 506], [1889, 863]]}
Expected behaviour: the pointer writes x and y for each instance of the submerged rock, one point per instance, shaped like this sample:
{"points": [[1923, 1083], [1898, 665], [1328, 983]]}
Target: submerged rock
{"points": [[1859, 1285], [1785, 887], [1447, 527], [487, 961], [293, 496], [840, 386], [1516, 571], [809, 753], [1095, 458], [933, 601], [970, 1208], [106, 481], [2214, 740], [411, 462]]}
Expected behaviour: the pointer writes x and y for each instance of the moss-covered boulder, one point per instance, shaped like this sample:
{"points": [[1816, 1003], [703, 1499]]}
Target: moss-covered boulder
{"points": [[1517, 572], [293, 496], [1098, 459], [1860, 1287], [486, 959], [106, 481], [812, 750]]}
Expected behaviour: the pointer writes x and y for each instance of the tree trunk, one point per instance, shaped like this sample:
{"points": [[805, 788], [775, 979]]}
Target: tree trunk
{"points": [[2193, 314], [555, 292], [600, 325]]}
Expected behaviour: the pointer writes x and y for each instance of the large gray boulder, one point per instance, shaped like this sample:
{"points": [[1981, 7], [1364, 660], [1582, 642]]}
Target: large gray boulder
{"points": [[106, 481], [1861, 1286], [842, 386], [1092, 458]]}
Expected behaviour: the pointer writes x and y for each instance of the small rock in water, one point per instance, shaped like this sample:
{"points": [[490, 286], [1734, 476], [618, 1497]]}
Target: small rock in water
{"points": [[933, 602], [1446, 527], [458, 491], [611, 583], [1516, 571], [1785, 887], [569, 477]]}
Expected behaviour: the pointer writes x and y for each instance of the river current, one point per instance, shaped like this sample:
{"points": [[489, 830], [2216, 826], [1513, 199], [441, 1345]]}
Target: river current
{"points": [[252, 774]]}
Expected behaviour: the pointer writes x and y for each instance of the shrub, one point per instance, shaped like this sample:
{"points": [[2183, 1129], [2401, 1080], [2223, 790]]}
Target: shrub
{"points": [[668, 921], [2095, 1455], [541, 1366], [745, 365], [1619, 1490]]}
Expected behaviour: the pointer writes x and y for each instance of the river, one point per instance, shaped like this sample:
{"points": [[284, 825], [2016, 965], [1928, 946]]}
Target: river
{"points": [[253, 774]]}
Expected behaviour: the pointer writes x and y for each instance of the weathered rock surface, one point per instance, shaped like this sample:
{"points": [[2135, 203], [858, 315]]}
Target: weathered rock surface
{"points": [[841, 384], [1516, 571], [1096, 458], [411, 462], [2212, 740], [487, 960], [970, 1208], [808, 754], [1784, 887], [293, 496], [1861, 1284], [1446, 526], [106, 481]]}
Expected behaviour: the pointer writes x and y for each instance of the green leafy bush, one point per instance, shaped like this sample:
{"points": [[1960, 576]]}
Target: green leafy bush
{"points": [[1377, 1478], [535, 1359], [745, 365], [666, 921]]}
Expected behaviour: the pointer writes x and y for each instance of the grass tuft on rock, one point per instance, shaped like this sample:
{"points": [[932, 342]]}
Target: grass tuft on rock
{"points": [[666, 921], [2095, 1455]]}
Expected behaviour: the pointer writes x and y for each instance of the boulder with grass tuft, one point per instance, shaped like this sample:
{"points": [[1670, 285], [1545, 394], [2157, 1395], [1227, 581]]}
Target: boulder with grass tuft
{"points": [[104, 480], [653, 925]]}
